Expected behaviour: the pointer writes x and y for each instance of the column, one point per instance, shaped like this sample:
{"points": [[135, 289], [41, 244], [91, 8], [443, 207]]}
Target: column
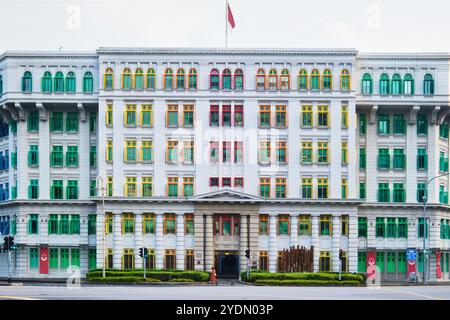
{"points": [[243, 243], [371, 239], [159, 247], [117, 240], [273, 243], [198, 241], [335, 144], [22, 156], [159, 147], [118, 147], [209, 250], [352, 251], [293, 148], [371, 157], [315, 241], [44, 152], [84, 228], [11, 170], [180, 250], [335, 243], [411, 162], [100, 227], [294, 229], [84, 165], [138, 240], [353, 187], [101, 142], [251, 146], [433, 162], [254, 238]]}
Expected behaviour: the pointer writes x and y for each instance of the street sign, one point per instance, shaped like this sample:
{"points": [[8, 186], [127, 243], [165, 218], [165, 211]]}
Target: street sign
{"points": [[411, 254]]}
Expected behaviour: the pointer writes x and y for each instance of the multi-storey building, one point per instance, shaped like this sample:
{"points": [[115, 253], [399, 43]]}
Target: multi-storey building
{"points": [[202, 154]]}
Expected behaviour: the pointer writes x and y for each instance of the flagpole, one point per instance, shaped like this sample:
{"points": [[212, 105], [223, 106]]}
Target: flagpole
{"points": [[226, 23]]}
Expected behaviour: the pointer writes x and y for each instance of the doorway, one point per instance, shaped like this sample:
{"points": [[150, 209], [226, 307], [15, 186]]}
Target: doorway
{"points": [[227, 264]]}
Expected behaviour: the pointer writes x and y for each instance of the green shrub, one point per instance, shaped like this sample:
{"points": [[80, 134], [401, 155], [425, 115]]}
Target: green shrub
{"points": [[162, 275], [322, 276], [149, 280], [116, 279], [181, 280], [307, 283]]}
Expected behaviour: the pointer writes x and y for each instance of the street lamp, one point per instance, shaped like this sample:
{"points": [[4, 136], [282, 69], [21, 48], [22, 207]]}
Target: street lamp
{"points": [[104, 220], [425, 228]]}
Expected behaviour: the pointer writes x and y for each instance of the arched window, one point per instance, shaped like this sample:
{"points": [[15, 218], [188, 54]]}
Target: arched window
{"points": [[408, 84], [326, 80], [168, 79], [139, 79], [384, 84], [273, 79], [238, 79], [27, 82], [109, 79], [70, 82], [214, 79], [151, 79], [180, 79], [428, 84], [396, 84], [260, 79], [88, 82], [285, 80], [345, 80], [303, 80], [126, 79], [59, 82], [366, 85], [226, 79], [192, 79], [314, 80], [46, 82]]}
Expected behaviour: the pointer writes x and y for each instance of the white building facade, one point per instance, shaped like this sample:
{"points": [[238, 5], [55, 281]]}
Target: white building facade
{"points": [[205, 153]]}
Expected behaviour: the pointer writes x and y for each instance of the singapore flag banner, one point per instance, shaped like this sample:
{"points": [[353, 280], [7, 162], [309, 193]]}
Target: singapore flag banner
{"points": [[229, 20], [230, 17]]}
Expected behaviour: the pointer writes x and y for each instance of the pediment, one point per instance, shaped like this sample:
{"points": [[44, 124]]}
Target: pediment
{"points": [[226, 195]]}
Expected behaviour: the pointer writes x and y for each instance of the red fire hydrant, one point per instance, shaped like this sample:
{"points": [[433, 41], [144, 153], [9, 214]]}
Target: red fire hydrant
{"points": [[213, 276]]}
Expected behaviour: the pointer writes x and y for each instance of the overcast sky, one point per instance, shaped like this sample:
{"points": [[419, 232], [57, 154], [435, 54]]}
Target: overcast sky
{"points": [[367, 25]]}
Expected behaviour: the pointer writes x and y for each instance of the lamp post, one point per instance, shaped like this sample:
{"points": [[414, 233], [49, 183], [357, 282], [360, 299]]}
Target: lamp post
{"points": [[425, 231], [104, 220]]}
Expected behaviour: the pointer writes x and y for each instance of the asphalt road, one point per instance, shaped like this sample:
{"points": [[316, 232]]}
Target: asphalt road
{"points": [[237, 292]]}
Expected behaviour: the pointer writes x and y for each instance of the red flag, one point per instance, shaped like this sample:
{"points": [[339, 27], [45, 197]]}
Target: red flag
{"points": [[43, 260], [230, 16]]}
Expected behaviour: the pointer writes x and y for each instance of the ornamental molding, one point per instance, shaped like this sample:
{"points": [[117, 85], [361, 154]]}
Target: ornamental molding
{"points": [[439, 56], [47, 55], [413, 115]]}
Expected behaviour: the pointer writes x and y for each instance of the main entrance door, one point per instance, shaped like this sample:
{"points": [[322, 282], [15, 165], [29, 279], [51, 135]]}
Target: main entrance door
{"points": [[227, 264]]}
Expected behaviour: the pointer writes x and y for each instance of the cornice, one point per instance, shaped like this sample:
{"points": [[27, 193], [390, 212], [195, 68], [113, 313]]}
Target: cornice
{"points": [[405, 56], [48, 55]]}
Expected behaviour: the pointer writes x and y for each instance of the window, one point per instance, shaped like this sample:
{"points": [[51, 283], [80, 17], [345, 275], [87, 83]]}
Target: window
{"points": [[380, 261], [322, 152], [188, 186], [54, 258], [396, 86], [264, 152], [238, 116], [128, 259], [189, 223], [56, 190], [214, 79], [399, 159], [74, 224], [72, 156], [226, 151], [443, 130], [92, 122], [130, 115], [64, 224], [383, 159], [362, 262], [172, 186], [362, 227], [344, 117], [110, 186], [399, 124], [383, 124], [92, 259], [420, 191], [33, 121], [59, 82], [109, 223], [126, 79], [146, 115], [88, 82], [285, 80], [92, 224], [304, 225], [72, 122], [264, 116], [344, 153], [46, 82], [214, 182], [130, 150], [402, 228], [307, 188], [70, 82], [226, 79], [443, 162], [188, 115], [362, 124], [33, 189], [314, 80], [383, 192], [214, 116], [148, 223], [391, 230], [109, 116], [34, 258], [384, 84], [168, 79], [362, 158], [108, 81], [327, 80], [362, 190], [33, 156], [214, 151], [283, 224], [344, 188], [325, 225], [226, 116], [307, 151], [264, 187], [260, 80], [151, 79], [390, 267], [281, 152], [307, 116], [280, 116], [264, 224], [72, 189], [169, 223], [324, 261], [192, 79], [422, 158], [109, 150], [422, 229], [428, 85], [380, 228], [131, 187], [93, 188], [172, 116], [422, 124], [280, 188], [273, 80], [238, 152], [238, 182], [93, 156], [366, 86], [53, 224], [322, 116], [322, 188], [27, 82], [181, 84], [172, 151], [33, 224], [345, 80], [147, 186], [109, 259], [263, 261], [443, 195], [189, 263], [408, 84], [238, 80], [170, 259], [127, 223]]}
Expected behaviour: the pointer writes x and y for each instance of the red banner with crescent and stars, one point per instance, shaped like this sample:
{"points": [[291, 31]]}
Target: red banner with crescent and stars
{"points": [[43, 260], [371, 263], [438, 264]]}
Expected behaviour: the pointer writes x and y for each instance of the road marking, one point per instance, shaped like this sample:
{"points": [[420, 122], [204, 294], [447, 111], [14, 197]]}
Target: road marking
{"points": [[18, 298], [416, 294]]}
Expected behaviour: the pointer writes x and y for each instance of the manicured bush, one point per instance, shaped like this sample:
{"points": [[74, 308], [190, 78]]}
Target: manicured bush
{"points": [[181, 280], [322, 276], [148, 280], [307, 283], [116, 279], [162, 275]]}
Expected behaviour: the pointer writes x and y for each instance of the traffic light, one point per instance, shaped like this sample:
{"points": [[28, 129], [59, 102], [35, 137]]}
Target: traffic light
{"points": [[9, 243], [12, 246], [145, 252], [247, 253], [341, 254], [141, 252]]}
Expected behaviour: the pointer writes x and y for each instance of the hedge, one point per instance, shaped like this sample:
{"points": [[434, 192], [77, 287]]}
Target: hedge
{"points": [[181, 280], [307, 283], [117, 279], [317, 276], [162, 275]]}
